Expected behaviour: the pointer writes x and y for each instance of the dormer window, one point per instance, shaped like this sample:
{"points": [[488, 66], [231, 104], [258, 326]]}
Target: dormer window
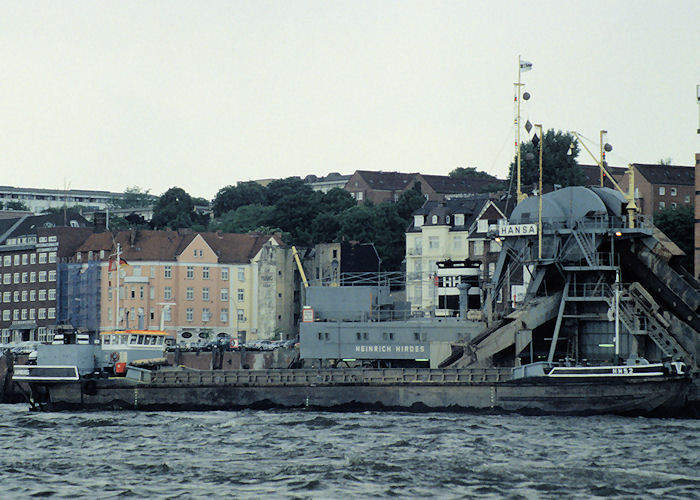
{"points": [[418, 220], [447, 219], [435, 219], [459, 219]]}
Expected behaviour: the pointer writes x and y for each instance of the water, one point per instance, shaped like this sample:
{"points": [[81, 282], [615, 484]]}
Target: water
{"points": [[304, 454]]}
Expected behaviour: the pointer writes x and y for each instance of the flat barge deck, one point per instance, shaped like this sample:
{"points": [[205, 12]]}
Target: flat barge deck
{"points": [[411, 389]]}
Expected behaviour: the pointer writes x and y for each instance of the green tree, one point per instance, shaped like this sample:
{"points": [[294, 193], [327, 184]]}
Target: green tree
{"points": [[135, 197], [16, 205], [244, 193], [245, 219], [678, 224], [559, 164], [295, 207], [410, 201], [470, 172], [175, 209]]}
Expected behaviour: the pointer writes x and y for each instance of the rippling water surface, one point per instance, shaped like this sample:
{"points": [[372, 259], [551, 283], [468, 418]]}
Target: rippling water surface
{"points": [[303, 454]]}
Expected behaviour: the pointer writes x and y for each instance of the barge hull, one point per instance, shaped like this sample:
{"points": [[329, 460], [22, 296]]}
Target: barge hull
{"points": [[211, 391]]}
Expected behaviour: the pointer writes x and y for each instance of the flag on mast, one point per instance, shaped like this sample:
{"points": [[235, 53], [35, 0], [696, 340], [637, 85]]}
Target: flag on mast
{"points": [[525, 66], [113, 263]]}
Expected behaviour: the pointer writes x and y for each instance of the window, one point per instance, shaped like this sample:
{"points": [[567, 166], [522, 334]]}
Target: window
{"points": [[241, 295], [674, 192], [137, 271], [435, 219], [674, 204], [102, 254], [51, 313], [189, 314], [32, 295], [7, 260], [167, 293], [482, 225], [24, 314], [6, 278], [433, 242], [15, 296], [360, 195], [42, 295], [241, 274], [25, 259], [459, 219], [41, 314], [224, 294], [168, 272], [224, 316], [133, 292], [52, 257], [151, 293], [190, 273], [16, 260], [6, 296], [662, 190], [32, 258], [206, 315], [153, 272], [662, 204], [24, 277], [32, 277], [495, 246], [478, 247], [52, 294], [15, 278], [205, 273], [52, 275], [42, 258], [42, 276], [241, 315], [205, 293], [24, 295], [140, 292], [417, 220], [15, 314], [456, 242], [6, 315], [109, 293], [189, 293], [224, 274], [32, 314], [166, 314], [686, 199]]}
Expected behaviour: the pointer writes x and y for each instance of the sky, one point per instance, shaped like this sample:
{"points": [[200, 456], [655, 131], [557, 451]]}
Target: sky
{"points": [[201, 95]]}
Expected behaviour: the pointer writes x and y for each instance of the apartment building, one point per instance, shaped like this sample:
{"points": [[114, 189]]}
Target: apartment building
{"points": [[31, 250], [196, 285], [454, 230]]}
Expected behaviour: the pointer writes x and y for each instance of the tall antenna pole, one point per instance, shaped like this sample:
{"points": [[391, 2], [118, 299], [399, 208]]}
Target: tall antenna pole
{"points": [[517, 135], [116, 316], [539, 212]]}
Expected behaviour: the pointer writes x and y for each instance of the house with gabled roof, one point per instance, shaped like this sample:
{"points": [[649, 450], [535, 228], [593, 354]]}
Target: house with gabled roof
{"points": [[197, 285], [449, 230]]}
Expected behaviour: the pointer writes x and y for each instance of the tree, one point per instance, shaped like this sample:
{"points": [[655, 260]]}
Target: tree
{"points": [[337, 200], [678, 224], [470, 172], [135, 197], [559, 164], [245, 219], [244, 193], [175, 209], [295, 207], [16, 205], [410, 201]]}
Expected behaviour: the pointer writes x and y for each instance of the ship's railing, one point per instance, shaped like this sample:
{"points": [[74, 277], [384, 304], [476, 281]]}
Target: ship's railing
{"points": [[590, 223], [393, 279], [335, 376]]}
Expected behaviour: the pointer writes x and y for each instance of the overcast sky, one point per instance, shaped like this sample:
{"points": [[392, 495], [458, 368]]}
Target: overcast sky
{"points": [[202, 94]]}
